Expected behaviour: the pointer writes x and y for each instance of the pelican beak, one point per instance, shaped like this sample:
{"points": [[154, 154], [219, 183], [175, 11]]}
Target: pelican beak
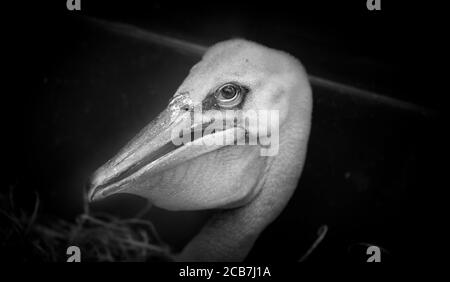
{"points": [[150, 144], [152, 151]]}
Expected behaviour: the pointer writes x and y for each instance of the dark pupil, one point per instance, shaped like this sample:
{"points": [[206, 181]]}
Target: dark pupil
{"points": [[228, 92]]}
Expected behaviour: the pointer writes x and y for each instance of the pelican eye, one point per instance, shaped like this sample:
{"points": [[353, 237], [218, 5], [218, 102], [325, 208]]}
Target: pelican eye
{"points": [[229, 95]]}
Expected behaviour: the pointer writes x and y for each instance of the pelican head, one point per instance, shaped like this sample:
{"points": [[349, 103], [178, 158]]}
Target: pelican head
{"points": [[219, 168]]}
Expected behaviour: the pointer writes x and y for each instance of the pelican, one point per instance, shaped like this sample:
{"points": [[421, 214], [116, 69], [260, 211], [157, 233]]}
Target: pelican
{"points": [[246, 189]]}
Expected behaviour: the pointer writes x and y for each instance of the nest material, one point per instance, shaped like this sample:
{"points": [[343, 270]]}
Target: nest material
{"points": [[33, 236]]}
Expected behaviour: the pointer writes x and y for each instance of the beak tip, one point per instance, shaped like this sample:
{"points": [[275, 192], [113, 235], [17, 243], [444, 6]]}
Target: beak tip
{"points": [[93, 193]]}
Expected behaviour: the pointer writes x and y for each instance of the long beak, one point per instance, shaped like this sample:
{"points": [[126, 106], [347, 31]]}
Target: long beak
{"points": [[150, 152], [152, 142]]}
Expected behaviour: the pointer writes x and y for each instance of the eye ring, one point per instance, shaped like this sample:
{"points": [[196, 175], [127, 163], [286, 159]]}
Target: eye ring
{"points": [[229, 95], [228, 92]]}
